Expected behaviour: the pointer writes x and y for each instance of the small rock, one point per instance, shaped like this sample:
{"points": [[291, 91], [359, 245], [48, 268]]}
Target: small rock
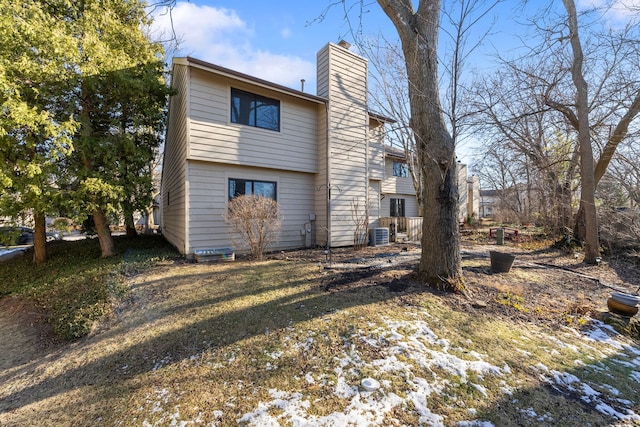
{"points": [[479, 304]]}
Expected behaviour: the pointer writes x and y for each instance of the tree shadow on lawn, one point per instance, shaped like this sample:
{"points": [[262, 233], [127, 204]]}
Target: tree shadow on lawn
{"points": [[103, 382], [105, 374]]}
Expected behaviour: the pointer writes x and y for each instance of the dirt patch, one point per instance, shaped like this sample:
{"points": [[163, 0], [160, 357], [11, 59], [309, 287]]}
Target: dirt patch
{"points": [[25, 334], [543, 287]]}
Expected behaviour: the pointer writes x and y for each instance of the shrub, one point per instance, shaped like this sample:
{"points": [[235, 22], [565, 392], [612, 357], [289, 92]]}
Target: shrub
{"points": [[255, 223]]}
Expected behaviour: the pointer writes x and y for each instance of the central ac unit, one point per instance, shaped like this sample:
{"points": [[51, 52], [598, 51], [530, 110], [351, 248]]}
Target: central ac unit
{"points": [[379, 236]]}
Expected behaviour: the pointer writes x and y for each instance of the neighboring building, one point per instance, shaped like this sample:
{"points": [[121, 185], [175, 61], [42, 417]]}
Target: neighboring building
{"points": [[489, 202], [473, 197], [322, 157]]}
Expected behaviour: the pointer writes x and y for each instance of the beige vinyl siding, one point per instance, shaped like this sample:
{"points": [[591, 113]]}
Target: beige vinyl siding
{"points": [[320, 190], [396, 184], [215, 138], [322, 78], [410, 204], [376, 150], [345, 83], [374, 204], [209, 195], [174, 165]]}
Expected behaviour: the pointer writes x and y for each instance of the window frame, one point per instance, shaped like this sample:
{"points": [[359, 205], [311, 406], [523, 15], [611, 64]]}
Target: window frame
{"points": [[398, 206], [400, 169], [244, 181], [253, 119]]}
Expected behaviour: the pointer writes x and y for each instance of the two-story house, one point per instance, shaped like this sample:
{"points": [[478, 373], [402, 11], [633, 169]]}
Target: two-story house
{"points": [[318, 156]]}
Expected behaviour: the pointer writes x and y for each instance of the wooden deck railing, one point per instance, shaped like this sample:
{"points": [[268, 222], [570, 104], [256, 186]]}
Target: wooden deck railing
{"points": [[412, 226]]}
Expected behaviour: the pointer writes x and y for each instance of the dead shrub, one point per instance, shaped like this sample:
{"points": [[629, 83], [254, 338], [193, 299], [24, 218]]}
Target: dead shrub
{"points": [[255, 223]]}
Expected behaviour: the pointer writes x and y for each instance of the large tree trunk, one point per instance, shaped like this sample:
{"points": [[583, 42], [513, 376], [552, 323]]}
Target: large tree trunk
{"points": [[148, 220], [129, 223], [440, 262], [39, 239], [587, 176], [104, 233]]}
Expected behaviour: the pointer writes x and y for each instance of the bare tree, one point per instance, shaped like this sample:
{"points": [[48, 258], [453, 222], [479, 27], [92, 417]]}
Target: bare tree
{"points": [[460, 42], [583, 74], [389, 91], [440, 262], [389, 95], [526, 137], [587, 178]]}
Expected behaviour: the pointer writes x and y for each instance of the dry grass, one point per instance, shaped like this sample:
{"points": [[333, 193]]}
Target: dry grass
{"points": [[206, 344]]}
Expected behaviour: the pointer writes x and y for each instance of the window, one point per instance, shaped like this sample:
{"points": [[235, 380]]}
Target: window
{"points": [[400, 169], [254, 110], [239, 187], [397, 207]]}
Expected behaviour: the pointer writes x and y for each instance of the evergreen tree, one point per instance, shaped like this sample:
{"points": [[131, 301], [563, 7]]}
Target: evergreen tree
{"points": [[36, 121], [83, 105]]}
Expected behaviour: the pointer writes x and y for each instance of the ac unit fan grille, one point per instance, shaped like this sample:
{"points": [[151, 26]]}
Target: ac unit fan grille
{"points": [[379, 236]]}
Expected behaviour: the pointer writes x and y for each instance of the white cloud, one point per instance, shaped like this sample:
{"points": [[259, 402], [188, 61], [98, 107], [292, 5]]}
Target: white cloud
{"points": [[616, 10], [285, 33], [220, 36]]}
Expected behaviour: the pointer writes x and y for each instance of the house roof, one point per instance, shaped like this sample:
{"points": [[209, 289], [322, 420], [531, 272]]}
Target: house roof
{"points": [[380, 117], [394, 152], [227, 72], [489, 193]]}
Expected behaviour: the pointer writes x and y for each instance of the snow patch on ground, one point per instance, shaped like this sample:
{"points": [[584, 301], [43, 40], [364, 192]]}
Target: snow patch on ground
{"points": [[568, 383], [408, 348], [412, 352]]}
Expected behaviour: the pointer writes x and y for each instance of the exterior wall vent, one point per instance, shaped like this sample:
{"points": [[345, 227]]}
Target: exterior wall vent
{"points": [[379, 236]]}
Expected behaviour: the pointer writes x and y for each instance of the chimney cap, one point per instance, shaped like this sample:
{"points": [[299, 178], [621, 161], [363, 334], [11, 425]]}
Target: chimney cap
{"points": [[344, 44]]}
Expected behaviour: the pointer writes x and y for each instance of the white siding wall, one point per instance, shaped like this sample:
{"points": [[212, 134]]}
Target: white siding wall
{"points": [[173, 186], [342, 78], [208, 183], [215, 138], [463, 193], [473, 208]]}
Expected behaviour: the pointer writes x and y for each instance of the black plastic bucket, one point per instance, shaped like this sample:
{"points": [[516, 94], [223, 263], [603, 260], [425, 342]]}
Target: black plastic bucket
{"points": [[501, 262]]}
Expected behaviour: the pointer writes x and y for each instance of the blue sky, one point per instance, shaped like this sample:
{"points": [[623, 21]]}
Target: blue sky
{"points": [[278, 40], [275, 40]]}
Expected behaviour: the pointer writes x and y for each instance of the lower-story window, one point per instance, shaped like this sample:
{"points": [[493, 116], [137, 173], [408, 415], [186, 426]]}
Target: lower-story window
{"points": [[239, 187], [396, 207]]}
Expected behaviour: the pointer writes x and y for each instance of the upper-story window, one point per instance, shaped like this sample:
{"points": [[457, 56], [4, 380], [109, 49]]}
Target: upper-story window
{"points": [[400, 169], [254, 110]]}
